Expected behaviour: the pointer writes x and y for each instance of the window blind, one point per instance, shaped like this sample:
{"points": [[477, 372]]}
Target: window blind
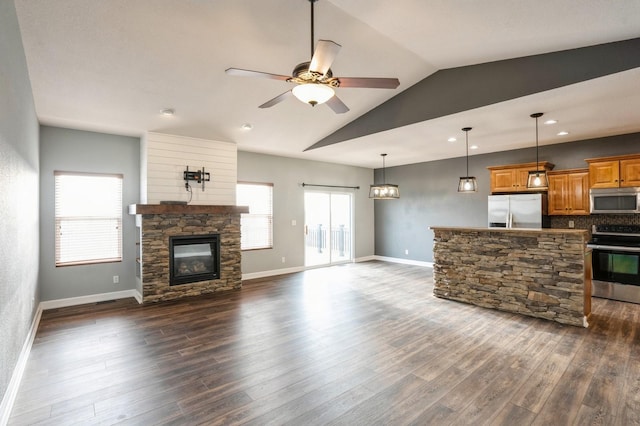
{"points": [[88, 218], [256, 227]]}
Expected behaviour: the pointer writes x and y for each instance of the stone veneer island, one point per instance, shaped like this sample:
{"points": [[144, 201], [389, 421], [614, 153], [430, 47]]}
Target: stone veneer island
{"points": [[544, 273]]}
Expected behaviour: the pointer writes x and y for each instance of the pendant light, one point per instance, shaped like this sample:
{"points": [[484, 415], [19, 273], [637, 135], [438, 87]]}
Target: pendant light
{"points": [[386, 191], [537, 179], [467, 183]]}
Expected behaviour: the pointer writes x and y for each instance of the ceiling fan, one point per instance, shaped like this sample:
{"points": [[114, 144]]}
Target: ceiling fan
{"points": [[314, 79]]}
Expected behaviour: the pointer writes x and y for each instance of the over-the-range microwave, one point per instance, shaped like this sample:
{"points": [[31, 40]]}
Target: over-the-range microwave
{"points": [[615, 200]]}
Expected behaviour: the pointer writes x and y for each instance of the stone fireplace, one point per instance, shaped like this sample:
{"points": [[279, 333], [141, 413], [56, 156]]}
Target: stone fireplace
{"points": [[160, 223]]}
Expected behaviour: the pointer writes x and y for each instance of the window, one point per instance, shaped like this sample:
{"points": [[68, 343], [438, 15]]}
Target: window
{"points": [[256, 227], [88, 218]]}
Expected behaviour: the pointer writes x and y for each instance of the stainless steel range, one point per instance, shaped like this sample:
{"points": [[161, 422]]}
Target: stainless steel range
{"points": [[616, 262]]}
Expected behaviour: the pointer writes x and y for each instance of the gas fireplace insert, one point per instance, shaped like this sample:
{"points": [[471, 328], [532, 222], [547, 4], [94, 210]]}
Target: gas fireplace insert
{"points": [[194, 258]]}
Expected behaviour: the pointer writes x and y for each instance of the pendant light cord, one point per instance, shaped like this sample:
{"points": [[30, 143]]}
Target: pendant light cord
{"points": [[466, 135], [384, 175], [536, 116], [537, 160]]}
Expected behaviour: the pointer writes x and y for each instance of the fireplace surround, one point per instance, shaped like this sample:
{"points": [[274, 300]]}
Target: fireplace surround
{"points": [[158, 223]]}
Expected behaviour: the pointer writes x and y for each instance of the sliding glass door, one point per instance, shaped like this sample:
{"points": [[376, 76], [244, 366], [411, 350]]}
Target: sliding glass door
{"points": [[328, 230]]}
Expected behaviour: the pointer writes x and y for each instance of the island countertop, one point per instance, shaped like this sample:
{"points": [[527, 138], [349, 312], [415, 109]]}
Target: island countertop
{"points": [[541, 272], [512, 230]]}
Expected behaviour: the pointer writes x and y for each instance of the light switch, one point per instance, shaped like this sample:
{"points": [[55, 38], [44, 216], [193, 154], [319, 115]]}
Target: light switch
{"points": [[293, 222]]}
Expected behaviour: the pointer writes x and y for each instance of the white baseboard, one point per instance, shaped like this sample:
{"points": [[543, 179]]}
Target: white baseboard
{"points": [[404, 261], [138, 296], [12, 390], [92, 298]]}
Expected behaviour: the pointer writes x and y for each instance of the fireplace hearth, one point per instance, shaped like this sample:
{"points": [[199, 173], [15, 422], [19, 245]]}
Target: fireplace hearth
{"points": [[194, 258]]}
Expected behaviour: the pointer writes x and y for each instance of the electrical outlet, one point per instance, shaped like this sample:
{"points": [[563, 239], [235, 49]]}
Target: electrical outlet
{"points": [[406, 251], [116, 279], [571, 224], [283, 259]]}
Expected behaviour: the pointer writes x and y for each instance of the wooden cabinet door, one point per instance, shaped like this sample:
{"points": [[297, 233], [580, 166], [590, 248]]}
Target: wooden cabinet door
{"points": [[604, 174], [557, 195], [630, 172], [522, 176], [578, 193], [503, 180]]}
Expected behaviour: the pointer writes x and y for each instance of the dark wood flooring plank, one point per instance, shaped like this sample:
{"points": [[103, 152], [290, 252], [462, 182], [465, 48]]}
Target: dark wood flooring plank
{"points": [[511, 415], [310, 399], [534, 393], [374, 410], [564, 402]]}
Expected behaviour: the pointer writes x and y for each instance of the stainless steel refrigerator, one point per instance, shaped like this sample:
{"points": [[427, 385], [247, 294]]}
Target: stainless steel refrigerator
{"points": [[518, 211]]}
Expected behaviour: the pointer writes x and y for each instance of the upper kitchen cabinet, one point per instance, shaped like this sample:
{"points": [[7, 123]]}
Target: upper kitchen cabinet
{"points": [[513, 177], [613, 172], [569, 192]]}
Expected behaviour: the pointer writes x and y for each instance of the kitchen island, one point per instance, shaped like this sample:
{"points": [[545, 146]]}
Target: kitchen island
{"points": [[544, 273]]}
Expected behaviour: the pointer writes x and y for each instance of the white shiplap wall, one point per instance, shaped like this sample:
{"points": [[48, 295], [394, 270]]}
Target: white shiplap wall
{"points": [[166, 157]]}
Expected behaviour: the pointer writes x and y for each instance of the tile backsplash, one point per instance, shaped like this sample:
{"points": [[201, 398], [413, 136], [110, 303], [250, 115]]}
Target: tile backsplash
{"points": [[585, 222]]}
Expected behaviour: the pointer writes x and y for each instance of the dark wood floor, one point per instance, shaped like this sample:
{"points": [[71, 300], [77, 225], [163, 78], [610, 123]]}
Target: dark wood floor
{"points": [[359, 344]]}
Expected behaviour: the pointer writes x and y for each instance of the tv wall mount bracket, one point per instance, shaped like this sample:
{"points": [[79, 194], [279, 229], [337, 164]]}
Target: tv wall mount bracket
{"points": [[200, 176]]}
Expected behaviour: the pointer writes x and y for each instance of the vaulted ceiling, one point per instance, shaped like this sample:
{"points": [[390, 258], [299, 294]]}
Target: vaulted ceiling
{"points": [[112, 66]]}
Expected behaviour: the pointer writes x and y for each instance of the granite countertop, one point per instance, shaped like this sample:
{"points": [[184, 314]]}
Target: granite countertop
{"points": [[507, 230]]}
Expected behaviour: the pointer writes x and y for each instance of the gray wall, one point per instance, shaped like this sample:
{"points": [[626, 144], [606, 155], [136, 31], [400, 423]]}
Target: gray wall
{"points": [[429, 197], [80, 151], [18, 197], [287, 174]]}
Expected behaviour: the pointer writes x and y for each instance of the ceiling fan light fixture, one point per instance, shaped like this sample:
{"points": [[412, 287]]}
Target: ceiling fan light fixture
{"points": [[313, 93]]}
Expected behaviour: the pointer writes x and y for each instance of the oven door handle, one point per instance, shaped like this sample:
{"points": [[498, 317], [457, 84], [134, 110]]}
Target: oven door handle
{"points": [[614, 248]]}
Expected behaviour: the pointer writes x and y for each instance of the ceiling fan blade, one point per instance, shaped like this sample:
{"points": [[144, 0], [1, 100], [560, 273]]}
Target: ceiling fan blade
{"points": [[248, 73], [370, 83], [326, 51], [337, 105], [277, 99]]}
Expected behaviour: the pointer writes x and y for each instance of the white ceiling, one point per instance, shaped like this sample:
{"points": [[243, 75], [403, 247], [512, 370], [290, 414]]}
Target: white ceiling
{"points": [[111, 66]]}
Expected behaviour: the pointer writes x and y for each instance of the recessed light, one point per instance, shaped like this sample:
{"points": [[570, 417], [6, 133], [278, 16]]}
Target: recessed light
{"points": [[168, 112], [473, 147], [563, 133], [552, 121], [452, 139], [246, 126]]}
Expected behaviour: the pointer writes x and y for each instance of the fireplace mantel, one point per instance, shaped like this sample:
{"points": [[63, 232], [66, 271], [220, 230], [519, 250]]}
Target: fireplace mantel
{"points": [[184, 209]]}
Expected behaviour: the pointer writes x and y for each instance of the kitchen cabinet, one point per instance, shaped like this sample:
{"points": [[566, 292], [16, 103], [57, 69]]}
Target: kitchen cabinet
{"points": [[513, 178], [569, 192], [614, 172]]}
